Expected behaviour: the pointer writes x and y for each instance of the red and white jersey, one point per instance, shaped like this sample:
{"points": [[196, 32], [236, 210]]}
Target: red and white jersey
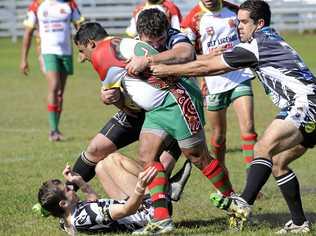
{"points": [[209, 30], [108, 59], [54, 22], [166, 6]]}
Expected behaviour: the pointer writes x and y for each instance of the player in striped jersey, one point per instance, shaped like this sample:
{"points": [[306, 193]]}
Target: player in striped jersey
{"points": [[125, 211]]}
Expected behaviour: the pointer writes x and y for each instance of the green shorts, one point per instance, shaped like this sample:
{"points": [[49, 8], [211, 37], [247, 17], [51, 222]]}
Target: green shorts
{"points": [[168, 117], [221, 101], [58, 63]]}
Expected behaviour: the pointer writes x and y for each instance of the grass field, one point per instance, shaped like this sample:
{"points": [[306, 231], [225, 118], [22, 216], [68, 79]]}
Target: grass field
{"points": [[27, 158]]}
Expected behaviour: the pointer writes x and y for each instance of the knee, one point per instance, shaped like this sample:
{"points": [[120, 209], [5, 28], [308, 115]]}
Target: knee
{"points": [[93, 152], [262, 148], [279, 168]]}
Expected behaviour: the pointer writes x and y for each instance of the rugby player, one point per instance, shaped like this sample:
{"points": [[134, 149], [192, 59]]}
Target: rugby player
{"points": [[53, 19], [164, 104], [210, 25]]}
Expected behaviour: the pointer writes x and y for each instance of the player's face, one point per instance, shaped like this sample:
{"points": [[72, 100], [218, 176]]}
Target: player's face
{"points": [[246, 26], [69, 193], [212, 4], [84, 52], [158, 43]]}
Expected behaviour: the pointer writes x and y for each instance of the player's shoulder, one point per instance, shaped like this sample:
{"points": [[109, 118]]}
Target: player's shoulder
{"points": [[195, 12], [172, 7], [34, 5]]}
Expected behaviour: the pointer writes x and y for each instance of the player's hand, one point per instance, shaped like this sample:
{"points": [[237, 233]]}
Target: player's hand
{"points": [[136, 65], [145, 177], [71, 176], [203, 86], [24, 67], [160, 70], [110, 96]]}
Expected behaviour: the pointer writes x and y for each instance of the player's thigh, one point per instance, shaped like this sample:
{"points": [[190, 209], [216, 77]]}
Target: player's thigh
{"points": [[279, 136]]}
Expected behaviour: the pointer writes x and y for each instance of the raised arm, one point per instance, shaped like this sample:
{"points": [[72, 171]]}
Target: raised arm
{"points": [[119, 211], [72, 177]]}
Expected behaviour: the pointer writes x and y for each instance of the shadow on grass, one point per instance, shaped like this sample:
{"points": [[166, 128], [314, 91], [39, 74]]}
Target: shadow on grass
{"points": [[219, 224], [279, 219]]}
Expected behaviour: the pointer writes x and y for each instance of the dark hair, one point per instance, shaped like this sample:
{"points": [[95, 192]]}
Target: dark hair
{"points": [[258, 9], [89, 31], [49, 196], [152, 23]]}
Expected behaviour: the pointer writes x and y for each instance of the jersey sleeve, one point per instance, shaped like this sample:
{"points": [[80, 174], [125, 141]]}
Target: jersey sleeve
{"points": [[242, 55], [76, 16], [188, 25], [31, 18]]}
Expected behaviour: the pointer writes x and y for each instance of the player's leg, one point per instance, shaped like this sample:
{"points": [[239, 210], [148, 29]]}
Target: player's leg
{"points": [[242, 99], [118, 175], [216, 114], [52, 76], [115, 134], [289, 185], [65, 69]]}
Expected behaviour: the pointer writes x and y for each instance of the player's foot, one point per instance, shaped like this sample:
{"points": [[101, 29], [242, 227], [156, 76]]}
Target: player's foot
{"points": [[156, 227], [60, 135], [238, 209], [178, 181], [292, 228], [53, 136]]}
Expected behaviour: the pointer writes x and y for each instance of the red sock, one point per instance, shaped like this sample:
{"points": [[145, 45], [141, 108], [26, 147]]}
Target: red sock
{"points": [[219, 178], [158, 191], [248, 143]]}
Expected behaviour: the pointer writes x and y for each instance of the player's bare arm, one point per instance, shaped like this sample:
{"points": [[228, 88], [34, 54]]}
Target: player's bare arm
{"points": [[26, 44], [72, 177], [180, 53], [118, 211], [213, 66]]}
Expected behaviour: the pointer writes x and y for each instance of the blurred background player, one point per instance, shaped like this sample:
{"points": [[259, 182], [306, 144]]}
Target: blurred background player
{"points": [[125, 210], [167, 6], [213, 24], [53, 19]]}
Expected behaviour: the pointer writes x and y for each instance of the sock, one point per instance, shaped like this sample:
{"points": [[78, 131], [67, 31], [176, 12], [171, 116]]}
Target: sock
{"points": [[258, 175], [218, 149], [158, 192], [290, 189], [52, 116], [218, 176], [59, 108], [248, 143], [84, 167]]}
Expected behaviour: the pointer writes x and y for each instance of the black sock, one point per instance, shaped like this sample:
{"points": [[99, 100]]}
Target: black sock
{"points": [[290, 189], [258, 175], [85, 168]]}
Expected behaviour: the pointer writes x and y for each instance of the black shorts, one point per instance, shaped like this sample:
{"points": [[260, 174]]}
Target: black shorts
{"points": [[123, 130]]}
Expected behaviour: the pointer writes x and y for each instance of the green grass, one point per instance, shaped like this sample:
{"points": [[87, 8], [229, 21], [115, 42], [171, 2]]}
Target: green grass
{"points": [[27, 158]]}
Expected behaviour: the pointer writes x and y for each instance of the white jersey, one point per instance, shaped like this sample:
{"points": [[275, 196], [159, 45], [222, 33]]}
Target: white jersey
{"points": [[54, 21], [95, 217], [212, 30]]}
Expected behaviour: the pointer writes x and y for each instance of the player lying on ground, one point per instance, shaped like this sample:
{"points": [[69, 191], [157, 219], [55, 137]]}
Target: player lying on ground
{"points": [[124, 211]]}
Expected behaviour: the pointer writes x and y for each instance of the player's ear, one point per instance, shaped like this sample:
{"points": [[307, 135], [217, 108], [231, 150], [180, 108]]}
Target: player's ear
{"points": [[63, 204], [91, 43], [260, 24]]}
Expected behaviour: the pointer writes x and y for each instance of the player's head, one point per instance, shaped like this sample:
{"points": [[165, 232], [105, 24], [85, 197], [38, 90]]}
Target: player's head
{"points": [[86, 37], [55, 197], [152, 2], [212, 5], [253, 15], [152, 27]]}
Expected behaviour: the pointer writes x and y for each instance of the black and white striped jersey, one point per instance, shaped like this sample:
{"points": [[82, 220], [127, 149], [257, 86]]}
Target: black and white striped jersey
{"points": [[94, 217], [282, 72]]}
